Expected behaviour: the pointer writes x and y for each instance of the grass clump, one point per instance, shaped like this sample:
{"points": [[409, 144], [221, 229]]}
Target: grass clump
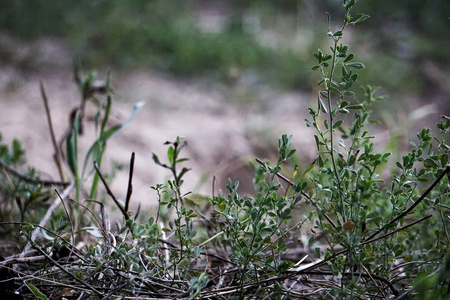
{"points": [[368, 237]]}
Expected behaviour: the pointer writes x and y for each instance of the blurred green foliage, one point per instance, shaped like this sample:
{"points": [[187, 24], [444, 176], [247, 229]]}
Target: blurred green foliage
{"points": [[164, 35], [159, 34]]}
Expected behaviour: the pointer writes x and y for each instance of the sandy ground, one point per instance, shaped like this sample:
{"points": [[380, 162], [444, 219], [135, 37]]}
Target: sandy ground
{"points": [[225, 127]]}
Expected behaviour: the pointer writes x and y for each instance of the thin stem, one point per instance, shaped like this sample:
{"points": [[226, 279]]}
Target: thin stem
{"points": [[130, 182], [59, 266], [330, 112], [404, 213], [58, 157], [110, 193], [25, 178]]}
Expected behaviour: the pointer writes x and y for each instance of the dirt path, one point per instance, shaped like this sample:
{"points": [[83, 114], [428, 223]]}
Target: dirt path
{"points": [[224, 127]]}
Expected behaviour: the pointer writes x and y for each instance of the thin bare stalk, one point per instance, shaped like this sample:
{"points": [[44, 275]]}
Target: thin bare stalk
{"points": [[58, 157]]}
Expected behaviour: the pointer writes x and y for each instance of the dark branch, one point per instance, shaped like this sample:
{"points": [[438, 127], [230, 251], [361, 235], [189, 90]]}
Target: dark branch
{"points": [[31, 180]]}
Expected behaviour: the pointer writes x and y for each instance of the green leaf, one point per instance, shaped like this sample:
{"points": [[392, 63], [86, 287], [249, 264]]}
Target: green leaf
{"points": [[356, 65], [170, 155], [110, 132], [95, 152], [351, 160], [156, 159], [349, 4], [183, 171], [320, 161], [356, 106], [437, 233], [349, 57], [334, 82], [335, 90], [107, 111], [183, 263], [344, 104], [321, 105], [62, 226], [429, 163], [317, 252], [349, 93], [359, 18], [310, 168], [181, 160], [36, 292], [316, 138]]}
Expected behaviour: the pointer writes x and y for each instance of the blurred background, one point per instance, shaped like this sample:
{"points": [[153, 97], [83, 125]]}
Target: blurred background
{"points": [[404, 44], [231, 76]]}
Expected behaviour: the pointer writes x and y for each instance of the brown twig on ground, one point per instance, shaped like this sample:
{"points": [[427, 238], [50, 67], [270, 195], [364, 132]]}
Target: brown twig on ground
{"points": [[59, 266], [21, 260], [51, 209], [26, 252], [109, 237], [110, 193], [72, 235], [102, 224]]}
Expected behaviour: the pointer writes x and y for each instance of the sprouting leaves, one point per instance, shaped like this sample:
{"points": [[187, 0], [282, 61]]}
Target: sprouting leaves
{"points": [[322, 59], [97, 149], [359, 18]]}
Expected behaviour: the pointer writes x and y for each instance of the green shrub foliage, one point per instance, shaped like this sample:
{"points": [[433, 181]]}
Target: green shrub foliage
{"points": [[349, 225]]}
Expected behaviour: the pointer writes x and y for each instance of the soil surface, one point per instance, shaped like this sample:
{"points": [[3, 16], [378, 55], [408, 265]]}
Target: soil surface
{"points": [[225, 128]]}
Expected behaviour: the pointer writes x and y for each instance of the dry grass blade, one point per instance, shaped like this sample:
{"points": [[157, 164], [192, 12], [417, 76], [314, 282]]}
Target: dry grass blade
{"points": [[58, 157], [110, 193], [130, 183], [62, 268], [31, 180], [50, 211]]}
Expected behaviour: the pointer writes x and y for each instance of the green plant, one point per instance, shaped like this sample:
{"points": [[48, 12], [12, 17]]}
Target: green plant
{"points": [[347, 186], [181, 225], [22, 196], [90, 89], [251, 224], [372, 237]]}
